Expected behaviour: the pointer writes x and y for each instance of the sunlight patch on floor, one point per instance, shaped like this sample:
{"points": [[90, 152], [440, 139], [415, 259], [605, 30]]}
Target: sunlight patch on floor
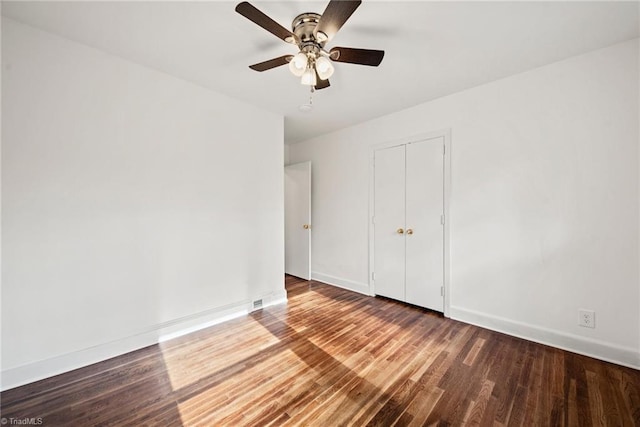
{"points": [[217, 402], [221, 350]]}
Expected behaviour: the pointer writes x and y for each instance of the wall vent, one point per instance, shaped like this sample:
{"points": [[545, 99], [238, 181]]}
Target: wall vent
{"points": [[257, 304]]}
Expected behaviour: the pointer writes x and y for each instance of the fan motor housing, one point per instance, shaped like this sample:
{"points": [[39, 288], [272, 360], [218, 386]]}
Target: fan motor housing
{"points": [[303, 27]]}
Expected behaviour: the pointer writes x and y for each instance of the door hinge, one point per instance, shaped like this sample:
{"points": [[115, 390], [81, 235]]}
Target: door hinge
{"points": [[444, 149], [373, 219], [441, 291], [373, 275], [442, 219]]}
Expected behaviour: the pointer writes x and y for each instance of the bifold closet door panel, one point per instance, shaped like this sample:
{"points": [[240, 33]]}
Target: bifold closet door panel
{"points": [[389, 200], [425, 232]]}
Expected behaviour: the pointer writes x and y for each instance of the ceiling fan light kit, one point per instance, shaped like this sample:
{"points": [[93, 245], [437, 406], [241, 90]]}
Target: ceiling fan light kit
{"points": [[310, 32], [324, 67], [309, 77], [298, 64]]}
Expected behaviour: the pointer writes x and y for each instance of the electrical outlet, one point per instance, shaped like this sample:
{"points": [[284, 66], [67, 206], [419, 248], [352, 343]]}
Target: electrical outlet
{"points": [[587, 318]]}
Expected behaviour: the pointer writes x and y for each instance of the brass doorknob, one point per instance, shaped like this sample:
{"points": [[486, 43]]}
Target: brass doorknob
{"points": [[409, 231], [306, 226], [400, 231]]}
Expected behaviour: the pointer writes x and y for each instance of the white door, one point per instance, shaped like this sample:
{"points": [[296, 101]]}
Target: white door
{"points": [[408, 233], [297, 220], [424, 274], [389, 253]]}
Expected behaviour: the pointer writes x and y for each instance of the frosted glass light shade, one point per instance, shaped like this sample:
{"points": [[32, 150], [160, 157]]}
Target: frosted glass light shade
{"points": [[298, 64], [324, 67], [309, 77]]}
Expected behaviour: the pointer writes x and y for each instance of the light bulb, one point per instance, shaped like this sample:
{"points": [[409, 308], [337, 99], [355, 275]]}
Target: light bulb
{"points": [[298, 64], [324, 67], [309, 77]]}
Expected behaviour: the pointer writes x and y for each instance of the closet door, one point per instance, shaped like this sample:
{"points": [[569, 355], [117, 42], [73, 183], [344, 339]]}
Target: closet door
{"points": [[389, 200], [424, 229]]}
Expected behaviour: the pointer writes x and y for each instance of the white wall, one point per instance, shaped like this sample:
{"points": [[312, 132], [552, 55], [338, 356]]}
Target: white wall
{"points": [[544, 201], [134, 204], [286, 155]]}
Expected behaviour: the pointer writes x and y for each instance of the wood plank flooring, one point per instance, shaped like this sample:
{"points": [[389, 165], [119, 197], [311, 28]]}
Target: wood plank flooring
{"points": [[330, 358]]}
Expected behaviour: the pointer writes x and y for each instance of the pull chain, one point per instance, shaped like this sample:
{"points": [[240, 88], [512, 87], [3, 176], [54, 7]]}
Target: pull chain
{"points": [[305, 108]]}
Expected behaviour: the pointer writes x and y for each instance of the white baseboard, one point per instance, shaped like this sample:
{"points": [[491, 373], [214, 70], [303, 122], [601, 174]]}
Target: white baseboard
{"points": [[362, 288], [593, 348], [25, 374]]}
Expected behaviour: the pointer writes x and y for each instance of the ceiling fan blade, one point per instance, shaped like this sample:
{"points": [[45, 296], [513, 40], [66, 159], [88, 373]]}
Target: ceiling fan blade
{"points": [[321, 84], [272, 63], [335, 15], [357, 56], [253, 14]]}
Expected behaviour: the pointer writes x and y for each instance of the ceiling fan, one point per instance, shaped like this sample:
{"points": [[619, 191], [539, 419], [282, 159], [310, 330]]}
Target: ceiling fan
{"points": [[310, 32]]}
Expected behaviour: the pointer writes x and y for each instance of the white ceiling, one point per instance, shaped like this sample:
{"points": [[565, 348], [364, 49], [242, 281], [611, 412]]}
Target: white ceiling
{"points": [[432, 48]]}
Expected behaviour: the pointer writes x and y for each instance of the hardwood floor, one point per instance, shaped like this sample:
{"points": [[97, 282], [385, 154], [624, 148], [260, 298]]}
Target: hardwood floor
{"points": [[332, 357]]}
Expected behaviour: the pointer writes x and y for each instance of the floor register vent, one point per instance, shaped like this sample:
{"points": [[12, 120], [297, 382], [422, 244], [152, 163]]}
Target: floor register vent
{"points": [[257, 305]]}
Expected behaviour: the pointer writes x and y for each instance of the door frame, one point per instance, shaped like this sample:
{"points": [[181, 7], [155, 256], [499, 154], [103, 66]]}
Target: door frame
{"points": [[446, 134]]}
